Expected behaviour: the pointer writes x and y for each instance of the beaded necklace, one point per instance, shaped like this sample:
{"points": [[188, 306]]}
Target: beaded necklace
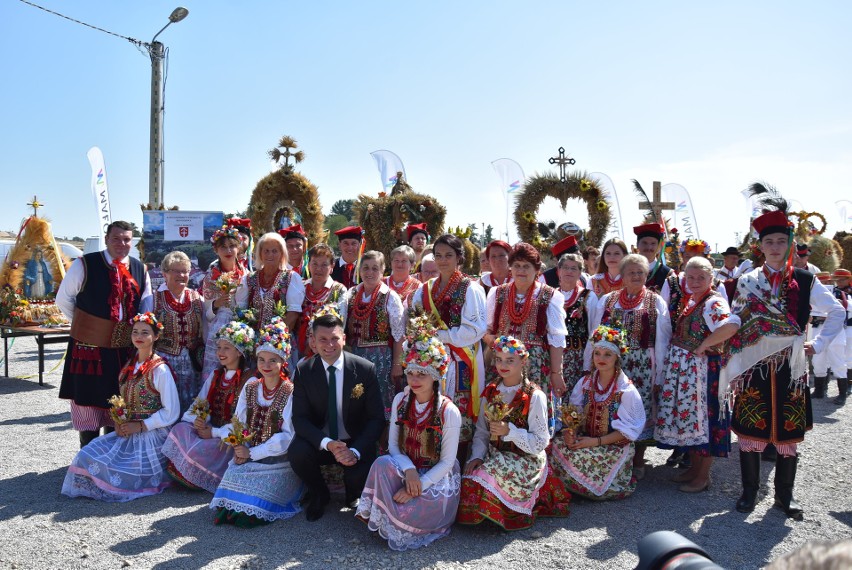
{"points": [[269, 394], [627, 303], [516, 317], [175, 305], [361, 311], [262, 280], [440, 296]]}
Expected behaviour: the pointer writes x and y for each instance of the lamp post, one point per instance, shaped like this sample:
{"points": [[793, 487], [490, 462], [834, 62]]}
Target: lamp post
{"points": [[157, 52]]}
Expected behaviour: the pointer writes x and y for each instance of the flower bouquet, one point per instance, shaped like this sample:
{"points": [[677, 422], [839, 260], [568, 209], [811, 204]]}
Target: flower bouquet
{"points": [[118, 410], [200, 409], [247, 316], [572, 417], [496, 411], [239, 434], [280, 309], [227, 283]]}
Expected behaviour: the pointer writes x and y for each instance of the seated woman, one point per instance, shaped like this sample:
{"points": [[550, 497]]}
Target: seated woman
{"points": [[197, 458], [412, 494], [128, 463], [259, 486], [507, 479], [595, 458]]}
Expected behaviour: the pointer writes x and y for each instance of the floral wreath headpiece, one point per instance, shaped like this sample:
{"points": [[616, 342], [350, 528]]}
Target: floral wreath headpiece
{"points": [[610, 338], [274, 338], [509, 344], [225, 232], [697, 245], [239, 334], [427, 355], [327, 309], [147, 318]]}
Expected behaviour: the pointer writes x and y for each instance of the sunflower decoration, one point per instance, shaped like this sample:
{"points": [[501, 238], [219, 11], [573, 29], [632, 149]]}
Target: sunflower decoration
{"points": [[585, 185]]}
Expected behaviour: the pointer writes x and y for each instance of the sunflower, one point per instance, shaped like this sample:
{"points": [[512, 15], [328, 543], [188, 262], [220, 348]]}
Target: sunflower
{"points": [[602, 205]]}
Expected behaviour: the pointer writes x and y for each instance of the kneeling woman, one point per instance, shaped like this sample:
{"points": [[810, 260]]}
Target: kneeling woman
{"points": [[596, 460], [507, 479], [128, 463], [259, 486], [197, 457], [411, 496]]}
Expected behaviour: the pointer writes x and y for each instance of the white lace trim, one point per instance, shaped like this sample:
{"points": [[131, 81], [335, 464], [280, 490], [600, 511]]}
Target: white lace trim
{"points": [[258, 512], [398, 540]]}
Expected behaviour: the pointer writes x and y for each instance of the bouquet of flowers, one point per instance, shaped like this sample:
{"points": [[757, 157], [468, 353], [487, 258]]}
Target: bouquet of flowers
{"points": [[227, 283], [247, 316], [496, 411], [118, 410], [12, 303], [572, 417], [421, 326], [239, 434], [200, 408], [281, 309]]}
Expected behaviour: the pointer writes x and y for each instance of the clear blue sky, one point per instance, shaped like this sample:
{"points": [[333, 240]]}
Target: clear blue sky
{"points": [[711, 95]]}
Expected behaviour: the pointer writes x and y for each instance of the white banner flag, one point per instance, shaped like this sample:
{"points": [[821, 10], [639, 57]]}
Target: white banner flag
{"points": [[684, 215], [179, 226], [511, 177], [844, 213], [389, 164], [616, 226], [100, 191]]}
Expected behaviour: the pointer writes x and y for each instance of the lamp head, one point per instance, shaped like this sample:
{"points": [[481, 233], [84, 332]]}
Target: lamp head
{"points": [[178, 14]]}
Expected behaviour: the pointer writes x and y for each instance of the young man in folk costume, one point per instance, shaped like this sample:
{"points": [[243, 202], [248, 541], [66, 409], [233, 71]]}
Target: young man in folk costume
{"points": [[297, 244], [418, 237], [834, 356], [351, 241], [100, 293], [842, 279], [662, 279], [767, 365], [566, 245], [802, 259]]}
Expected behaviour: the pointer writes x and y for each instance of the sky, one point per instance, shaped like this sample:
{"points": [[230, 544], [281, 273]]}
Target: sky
{"points": [[709, 95]]}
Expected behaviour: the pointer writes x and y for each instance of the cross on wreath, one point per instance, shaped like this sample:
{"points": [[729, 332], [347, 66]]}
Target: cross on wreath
{"points": [[35, 205], [656, 204], [563, 162]]}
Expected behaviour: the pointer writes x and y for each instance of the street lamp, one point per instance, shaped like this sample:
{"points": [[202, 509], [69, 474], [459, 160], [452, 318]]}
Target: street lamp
{"points": [[157, 52]]}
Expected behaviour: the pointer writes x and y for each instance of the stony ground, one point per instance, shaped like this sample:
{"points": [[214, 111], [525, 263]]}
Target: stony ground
{"points": [[43, 529]]}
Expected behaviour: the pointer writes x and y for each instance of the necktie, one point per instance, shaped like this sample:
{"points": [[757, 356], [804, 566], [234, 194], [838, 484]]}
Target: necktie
{"points": [[332, 402]]}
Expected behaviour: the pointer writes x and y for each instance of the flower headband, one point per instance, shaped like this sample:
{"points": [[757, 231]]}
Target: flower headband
{"points": [[239, 334], [610, 338], [696, 245], [427, 355], [274, 338], [509, 344], [147, 318], [225, 232], [328, 309]]}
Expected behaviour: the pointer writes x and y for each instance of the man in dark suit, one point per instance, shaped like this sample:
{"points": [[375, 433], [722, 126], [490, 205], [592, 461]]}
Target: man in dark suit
{"points": [[338, 416]]}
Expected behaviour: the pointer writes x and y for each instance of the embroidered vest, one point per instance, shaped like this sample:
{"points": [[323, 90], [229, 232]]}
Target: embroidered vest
{"points": [[599, 415], [181, 327], [675, 295], [93, 296], [533, 331], [577, 322], [518, 414], [372, 329], [222, 398], [656, 281], [407, 290], [451, 303], [137, 389], [691, 330], [265, 421], [310, 306], [264, 305], [415, 435], [640, 323]]}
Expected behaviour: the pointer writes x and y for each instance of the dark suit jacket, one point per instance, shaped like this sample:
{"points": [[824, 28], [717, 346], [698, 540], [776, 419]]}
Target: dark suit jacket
{"points": [[363, 417]]}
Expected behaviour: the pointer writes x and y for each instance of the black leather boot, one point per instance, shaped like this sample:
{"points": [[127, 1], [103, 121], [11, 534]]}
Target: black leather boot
{"points": [[785, 478], [820, 385], [86, 437], [750, 471], [842, 388]]}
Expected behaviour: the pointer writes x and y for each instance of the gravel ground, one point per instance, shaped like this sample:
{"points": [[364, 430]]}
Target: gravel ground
{"points": [[43, 529]]}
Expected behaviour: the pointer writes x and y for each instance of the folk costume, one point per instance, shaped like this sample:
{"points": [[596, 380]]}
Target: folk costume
{"points": [[300, 266], [265, 488], [286, 292], [181, 343], [690, 399], [200, 463], [118, 469], [373, 322], [579, 308], [563, 246], [603, 472], [460, 309], [514, 484], [834, 356], [344, 272], [767, 364], [331, 293], [98, 295], [423, 437], [602, 284], [645, 320], [662, 279], [405, 290], [212, 290]]}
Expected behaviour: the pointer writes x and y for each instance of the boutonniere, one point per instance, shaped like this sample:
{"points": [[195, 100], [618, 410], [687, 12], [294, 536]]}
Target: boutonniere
{"points": [[357, 391]]}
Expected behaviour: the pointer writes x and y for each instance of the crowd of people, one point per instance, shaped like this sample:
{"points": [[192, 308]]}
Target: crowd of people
{"points": [[440, 397]]}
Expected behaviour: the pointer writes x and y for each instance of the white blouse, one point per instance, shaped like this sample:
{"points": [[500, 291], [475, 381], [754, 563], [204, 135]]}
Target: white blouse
{"points": [[631, 412], [473, 323], [449, 442], [396, 312], [164, 383], [533, 440], [556, 330], [294, 297], [277, 444], [189, 417]]}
